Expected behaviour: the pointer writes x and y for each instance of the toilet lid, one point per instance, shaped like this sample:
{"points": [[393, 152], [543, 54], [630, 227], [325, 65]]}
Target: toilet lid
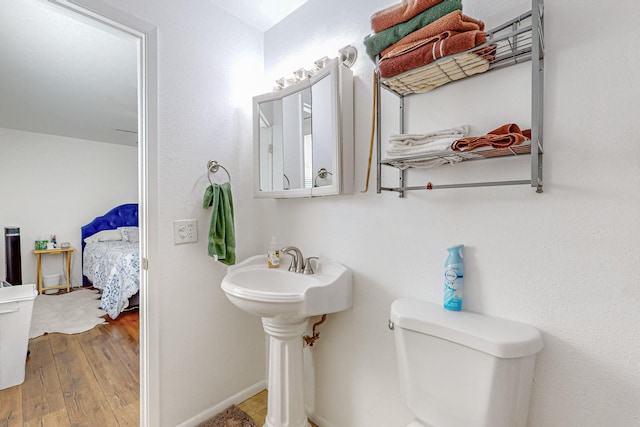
{"points": [[499, 337]]}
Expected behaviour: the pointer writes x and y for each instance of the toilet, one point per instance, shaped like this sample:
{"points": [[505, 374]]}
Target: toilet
{"points": [[463, 369]]}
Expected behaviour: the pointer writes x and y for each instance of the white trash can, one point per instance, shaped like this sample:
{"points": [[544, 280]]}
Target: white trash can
{"points": [[16, 307], [49, 280]]}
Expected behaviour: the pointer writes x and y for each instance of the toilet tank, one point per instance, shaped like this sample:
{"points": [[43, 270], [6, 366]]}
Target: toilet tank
{"points": [[463, 369]]}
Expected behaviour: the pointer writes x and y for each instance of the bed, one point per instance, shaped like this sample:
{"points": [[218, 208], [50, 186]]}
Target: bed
{"points": [[111, 258]]}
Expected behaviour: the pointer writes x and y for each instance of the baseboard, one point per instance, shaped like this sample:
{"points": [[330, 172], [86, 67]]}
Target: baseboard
{"points": [[233, 400], [319, 421]]}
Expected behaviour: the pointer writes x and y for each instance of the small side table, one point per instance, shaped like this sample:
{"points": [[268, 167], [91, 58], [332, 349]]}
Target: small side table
{"points": [[67, 252]]}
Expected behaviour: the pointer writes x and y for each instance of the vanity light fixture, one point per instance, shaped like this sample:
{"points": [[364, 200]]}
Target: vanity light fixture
{"points": [[290, 81], [348, 56], [320, 63], [302, 74]]}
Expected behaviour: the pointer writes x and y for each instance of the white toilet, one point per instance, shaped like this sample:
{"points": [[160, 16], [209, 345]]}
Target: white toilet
{"points": [[463, 369]]}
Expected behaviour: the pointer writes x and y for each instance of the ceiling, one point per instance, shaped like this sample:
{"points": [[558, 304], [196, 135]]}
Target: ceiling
{"points": [[62, 76], [260, 14]]}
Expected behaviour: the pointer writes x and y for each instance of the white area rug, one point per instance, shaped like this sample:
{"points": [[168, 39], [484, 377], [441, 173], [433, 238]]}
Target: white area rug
{"points": [[70, 313]]}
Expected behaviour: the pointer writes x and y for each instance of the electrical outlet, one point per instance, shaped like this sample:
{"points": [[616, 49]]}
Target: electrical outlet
{"points": [[185, 231]]}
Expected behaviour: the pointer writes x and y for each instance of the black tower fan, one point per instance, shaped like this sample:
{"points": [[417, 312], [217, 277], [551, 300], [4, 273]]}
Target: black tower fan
{"points": [[12, 255]]}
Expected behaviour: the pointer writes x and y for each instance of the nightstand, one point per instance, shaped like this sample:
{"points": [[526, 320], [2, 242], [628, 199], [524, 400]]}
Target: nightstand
{"points": [[66, 252]]}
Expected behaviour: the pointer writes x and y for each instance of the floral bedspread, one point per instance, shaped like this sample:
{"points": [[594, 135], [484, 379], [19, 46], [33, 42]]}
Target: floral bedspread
{"points": [[114, 268]]}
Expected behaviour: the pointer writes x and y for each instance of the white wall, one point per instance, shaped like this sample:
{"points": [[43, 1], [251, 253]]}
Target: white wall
{"points": [[52, 184], [565, 261], [203, 349], [545, 259]]}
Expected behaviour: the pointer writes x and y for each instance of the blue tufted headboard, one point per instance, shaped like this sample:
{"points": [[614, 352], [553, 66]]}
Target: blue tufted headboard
{"points": [[120, 216]]}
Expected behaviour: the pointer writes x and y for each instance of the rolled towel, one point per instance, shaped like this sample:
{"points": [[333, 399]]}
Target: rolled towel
{"points": [[454, 21], [503, 137], [376, 43], [510, 128], [398, 13], [417, 55]]}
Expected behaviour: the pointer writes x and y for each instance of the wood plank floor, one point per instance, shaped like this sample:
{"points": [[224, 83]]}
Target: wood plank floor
{"points": [[89, 379]]}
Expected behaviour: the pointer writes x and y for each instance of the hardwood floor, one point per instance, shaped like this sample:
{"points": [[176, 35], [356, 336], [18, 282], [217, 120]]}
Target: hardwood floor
{"points": [[89, 379]]}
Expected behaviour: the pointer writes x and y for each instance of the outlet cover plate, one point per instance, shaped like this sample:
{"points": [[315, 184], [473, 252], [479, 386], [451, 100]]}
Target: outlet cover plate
{"points": [[185, 231]]}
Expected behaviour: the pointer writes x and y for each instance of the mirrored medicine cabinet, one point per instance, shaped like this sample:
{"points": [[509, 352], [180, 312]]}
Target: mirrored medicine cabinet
{"points": [[303, 136]]}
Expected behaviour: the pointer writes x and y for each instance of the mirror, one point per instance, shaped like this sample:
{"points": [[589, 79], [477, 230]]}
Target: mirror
{"points": [[303, 136]]}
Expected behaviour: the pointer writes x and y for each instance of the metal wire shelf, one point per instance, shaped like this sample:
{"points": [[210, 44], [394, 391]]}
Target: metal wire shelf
{"points": [[506, 45], [516, 41]]}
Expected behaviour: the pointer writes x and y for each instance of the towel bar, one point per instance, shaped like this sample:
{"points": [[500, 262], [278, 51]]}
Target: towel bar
{"points": [[212, 167], [322, 173]]}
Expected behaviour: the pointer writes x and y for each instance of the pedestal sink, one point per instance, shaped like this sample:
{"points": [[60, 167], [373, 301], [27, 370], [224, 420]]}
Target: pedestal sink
{"points": [[285, 300]]}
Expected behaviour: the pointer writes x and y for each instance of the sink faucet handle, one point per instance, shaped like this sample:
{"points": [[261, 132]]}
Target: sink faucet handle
{"points": [[307, 265], [298, 258], [294, 263], [294, 258]]}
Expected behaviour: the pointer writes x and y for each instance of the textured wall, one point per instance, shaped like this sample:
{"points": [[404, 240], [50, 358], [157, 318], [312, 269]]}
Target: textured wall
{"points": [[544, 259], [565, 261]]}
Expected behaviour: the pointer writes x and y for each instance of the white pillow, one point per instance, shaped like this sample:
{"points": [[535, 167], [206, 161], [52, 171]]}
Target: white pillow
{"points": [[129, 234], [104, 236], [134, 236]]}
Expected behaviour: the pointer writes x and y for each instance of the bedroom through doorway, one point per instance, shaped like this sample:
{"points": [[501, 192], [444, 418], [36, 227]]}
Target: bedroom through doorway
{"points": [[74, 122]]}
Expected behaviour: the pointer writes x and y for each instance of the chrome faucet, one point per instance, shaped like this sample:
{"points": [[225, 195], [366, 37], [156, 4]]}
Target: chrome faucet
{"points": [[297, 262], [307, 265]]}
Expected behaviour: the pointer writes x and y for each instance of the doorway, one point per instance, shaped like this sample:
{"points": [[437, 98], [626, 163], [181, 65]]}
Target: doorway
{"points": [[112, 22]]}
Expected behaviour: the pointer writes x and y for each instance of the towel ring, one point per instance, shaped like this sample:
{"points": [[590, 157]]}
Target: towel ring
{"points": [[213, 167], [322, 173]]}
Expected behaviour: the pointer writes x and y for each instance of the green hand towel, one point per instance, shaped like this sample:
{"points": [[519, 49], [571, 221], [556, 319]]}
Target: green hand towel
{"points": [[376, 43], [222, 238]]}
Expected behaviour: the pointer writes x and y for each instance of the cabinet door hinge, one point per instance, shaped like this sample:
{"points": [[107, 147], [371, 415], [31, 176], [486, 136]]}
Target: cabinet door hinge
{"points": [[145, 264]]}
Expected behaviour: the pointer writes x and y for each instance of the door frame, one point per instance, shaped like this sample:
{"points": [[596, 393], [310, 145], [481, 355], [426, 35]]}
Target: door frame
{"points": [[146, 37]]}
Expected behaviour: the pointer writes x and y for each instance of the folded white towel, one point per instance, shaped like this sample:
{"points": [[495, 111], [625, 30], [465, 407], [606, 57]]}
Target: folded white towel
{"points": [[437, 143], [429, 137], [435, 161], [424, 164], [436, 146]]}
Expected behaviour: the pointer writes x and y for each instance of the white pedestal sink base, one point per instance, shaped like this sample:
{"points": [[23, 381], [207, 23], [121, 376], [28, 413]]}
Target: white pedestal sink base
{"points": [[285, 301], [285, 404]]}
